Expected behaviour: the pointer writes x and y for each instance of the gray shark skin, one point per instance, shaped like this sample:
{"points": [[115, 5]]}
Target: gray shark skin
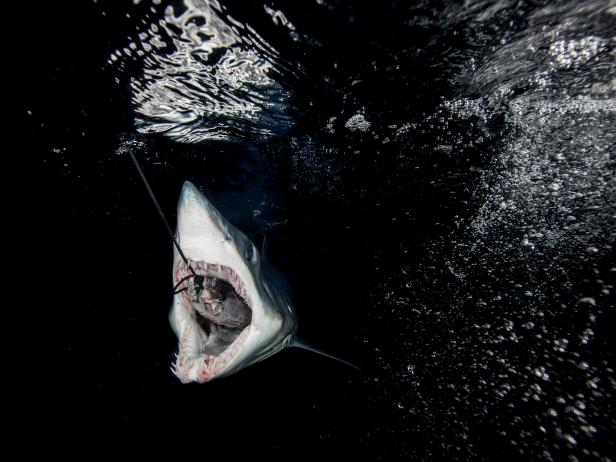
{"points": [[216, 249]]}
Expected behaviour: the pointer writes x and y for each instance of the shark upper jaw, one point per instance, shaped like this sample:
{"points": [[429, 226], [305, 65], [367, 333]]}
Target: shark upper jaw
{"points": [[216, 248]]}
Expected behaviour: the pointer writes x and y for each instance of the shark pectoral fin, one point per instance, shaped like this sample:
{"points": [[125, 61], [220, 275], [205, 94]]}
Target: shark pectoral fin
{"points": [[297, 343]]}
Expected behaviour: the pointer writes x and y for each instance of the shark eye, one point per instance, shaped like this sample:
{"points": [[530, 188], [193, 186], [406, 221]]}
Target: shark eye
{"points": [[249, 253]]}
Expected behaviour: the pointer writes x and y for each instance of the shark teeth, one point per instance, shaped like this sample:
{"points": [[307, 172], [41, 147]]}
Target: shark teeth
{"points": [[193, 363], [191, 366]]}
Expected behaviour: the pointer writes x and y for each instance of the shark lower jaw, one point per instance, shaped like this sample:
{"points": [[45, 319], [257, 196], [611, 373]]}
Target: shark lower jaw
{"points": [[214, 323]]}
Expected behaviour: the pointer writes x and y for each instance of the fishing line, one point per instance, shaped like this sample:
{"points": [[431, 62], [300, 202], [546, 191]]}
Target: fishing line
{"points": [[199, 280]]}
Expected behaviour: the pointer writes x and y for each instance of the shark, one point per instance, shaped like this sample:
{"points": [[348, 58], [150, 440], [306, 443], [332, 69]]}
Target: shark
{"points": [[230, 309]]}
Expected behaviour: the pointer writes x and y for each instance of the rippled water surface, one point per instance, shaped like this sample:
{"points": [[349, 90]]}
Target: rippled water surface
{"points": [[205, 76], [437, 180]]}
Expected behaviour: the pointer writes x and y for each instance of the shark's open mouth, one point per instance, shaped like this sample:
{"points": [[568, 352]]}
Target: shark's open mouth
{"points": [[221, 315]]}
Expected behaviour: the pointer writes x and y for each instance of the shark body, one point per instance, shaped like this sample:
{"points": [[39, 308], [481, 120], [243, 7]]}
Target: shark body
{"points": [[209, 348]]}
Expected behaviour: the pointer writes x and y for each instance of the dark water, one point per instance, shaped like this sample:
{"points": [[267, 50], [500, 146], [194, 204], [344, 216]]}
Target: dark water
{"points": [[437, 181]]}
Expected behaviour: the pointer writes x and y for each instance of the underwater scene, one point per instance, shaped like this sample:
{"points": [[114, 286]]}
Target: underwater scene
{"points": [[326, 228]]}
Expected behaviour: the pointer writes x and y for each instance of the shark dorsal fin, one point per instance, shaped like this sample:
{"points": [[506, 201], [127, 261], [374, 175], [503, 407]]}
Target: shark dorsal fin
{"points": [[297, 343]]}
